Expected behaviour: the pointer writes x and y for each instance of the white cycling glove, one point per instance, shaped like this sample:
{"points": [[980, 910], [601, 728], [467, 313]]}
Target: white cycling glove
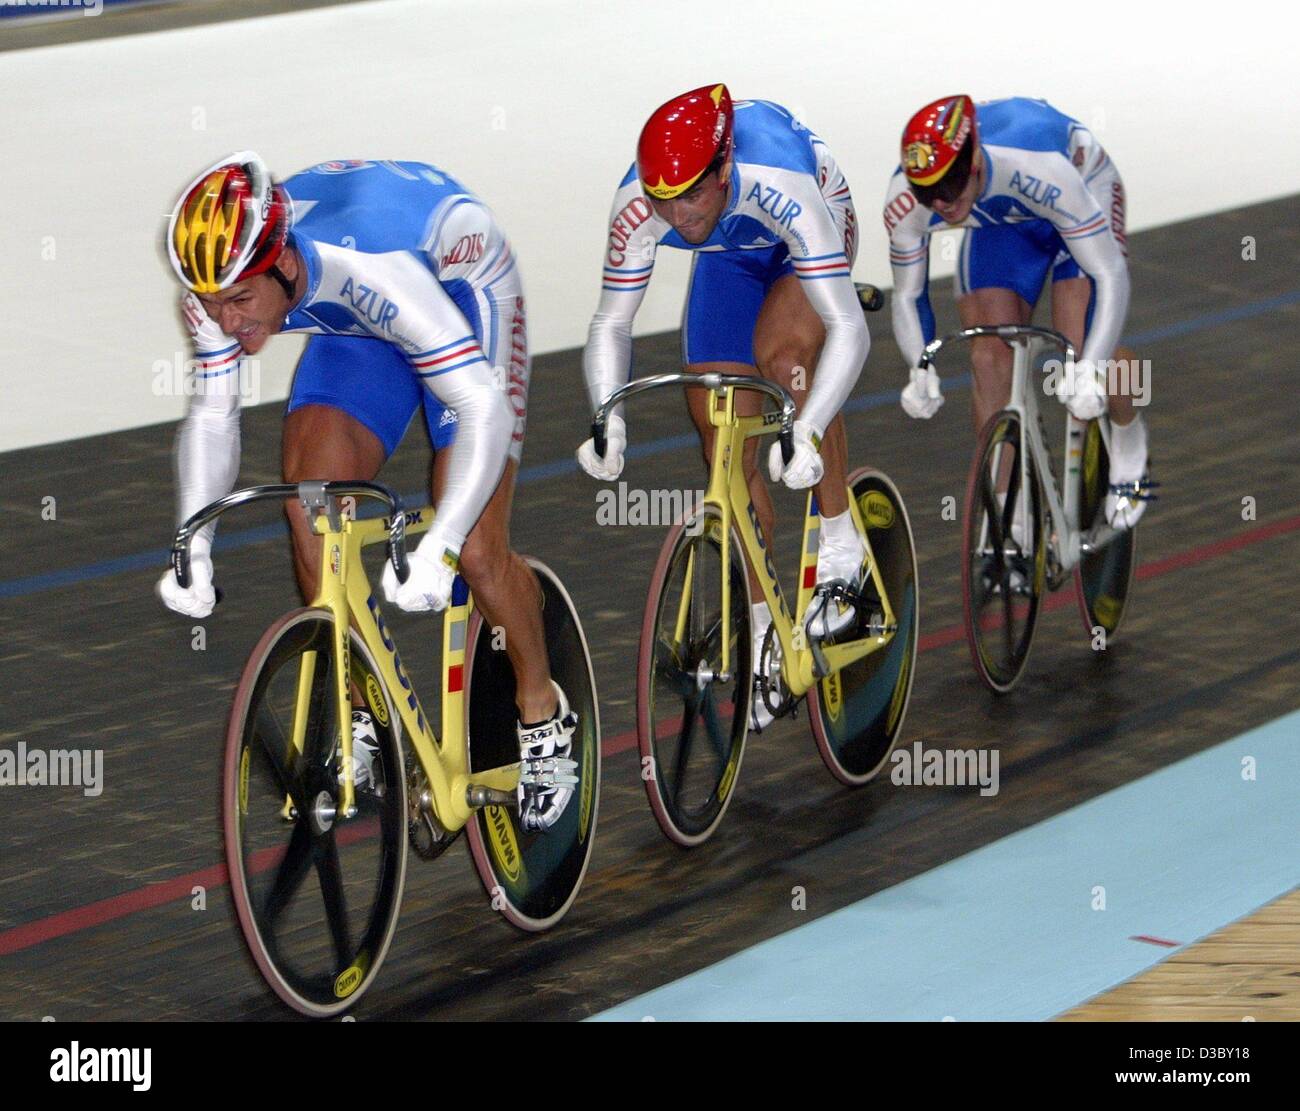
{"points": [[428, 586], [199, 598], [921, 396], [1083, 389], [611, 466], [805, 467]]}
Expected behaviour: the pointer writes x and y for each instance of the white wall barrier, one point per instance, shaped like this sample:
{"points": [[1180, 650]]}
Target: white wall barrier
{"points": [[536, 105]]}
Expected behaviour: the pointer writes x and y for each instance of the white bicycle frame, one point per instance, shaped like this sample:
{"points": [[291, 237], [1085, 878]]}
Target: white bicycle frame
{"points": [[1066, 542]]}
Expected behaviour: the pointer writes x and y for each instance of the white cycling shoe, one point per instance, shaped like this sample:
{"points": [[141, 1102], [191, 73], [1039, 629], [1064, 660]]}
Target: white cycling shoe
{"points": [[838, 558], [548, 776], [1130, 483], [365, 748]]}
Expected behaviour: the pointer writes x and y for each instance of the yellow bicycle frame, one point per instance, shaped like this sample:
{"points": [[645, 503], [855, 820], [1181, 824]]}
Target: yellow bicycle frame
{"points": [[728, 492], [345, 592]]}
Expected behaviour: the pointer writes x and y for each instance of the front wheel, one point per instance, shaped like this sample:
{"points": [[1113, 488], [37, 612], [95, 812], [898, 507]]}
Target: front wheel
{"points": [[1004, 553], [857, 712], [1103, 578], [692, 714], [532, 878], [317, 895]]}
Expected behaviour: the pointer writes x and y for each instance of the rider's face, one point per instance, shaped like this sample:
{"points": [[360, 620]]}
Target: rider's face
{"points": [[696, 212], [253, 310], [956, 210]]}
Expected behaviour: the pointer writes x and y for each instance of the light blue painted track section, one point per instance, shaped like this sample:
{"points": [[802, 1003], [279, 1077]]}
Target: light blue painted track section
{"points": [[1008, 932]]}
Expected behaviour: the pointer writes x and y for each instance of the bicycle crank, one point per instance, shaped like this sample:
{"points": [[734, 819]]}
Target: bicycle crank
{"points": [[428, 836], [767, 675]]}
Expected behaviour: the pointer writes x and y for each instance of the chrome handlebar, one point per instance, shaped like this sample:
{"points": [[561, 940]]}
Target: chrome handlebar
{"points": [[314, 496], [711, 381], [1009, 333]]}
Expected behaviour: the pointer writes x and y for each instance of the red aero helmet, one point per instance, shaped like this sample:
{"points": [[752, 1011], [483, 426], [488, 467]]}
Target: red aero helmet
{"points": [[935, 136], [681, 140]]}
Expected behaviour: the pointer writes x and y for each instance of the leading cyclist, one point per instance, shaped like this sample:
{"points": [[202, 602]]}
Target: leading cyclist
{"points": [[1038, 194], [762, 204], [413, 298]]}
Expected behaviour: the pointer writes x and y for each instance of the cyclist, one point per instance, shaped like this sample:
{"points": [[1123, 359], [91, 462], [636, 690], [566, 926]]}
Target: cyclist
{"points": [[413, 299], [1038, 194], [762, 204]]}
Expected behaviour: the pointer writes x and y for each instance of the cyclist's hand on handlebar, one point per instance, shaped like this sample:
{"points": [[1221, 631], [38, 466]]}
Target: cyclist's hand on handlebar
{"points": [[428, 586], [805, 467], [1083, 389], [196, 600], [611, 466], [921, 396]]}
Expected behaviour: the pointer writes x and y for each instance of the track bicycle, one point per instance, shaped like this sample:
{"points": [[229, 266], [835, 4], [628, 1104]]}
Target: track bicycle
{"points": [[695, 669], [1023, 531], [317, 862]]}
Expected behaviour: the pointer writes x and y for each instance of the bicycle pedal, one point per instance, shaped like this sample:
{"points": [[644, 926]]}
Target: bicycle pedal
{"points": [[1136, 491]]}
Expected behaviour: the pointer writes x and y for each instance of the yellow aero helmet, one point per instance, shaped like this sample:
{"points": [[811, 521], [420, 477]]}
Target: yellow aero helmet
{"points": [[231, 223]]}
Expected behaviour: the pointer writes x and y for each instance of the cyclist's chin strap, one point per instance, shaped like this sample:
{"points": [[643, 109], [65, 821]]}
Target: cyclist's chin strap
{"points": [[285, 284]]}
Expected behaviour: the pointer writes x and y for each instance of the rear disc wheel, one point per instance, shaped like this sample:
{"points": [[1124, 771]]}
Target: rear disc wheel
{"points": [[532, 878], [857, 713], [1103, 578]]}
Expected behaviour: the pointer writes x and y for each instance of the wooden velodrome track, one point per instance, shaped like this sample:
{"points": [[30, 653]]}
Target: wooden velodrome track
{"points": [[96, 917]]}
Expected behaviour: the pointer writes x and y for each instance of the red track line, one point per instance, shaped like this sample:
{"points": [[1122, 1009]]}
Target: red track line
{"points": [[1219, 547], [146, 898], [940, 638], [1155, 941], [106, 910]]}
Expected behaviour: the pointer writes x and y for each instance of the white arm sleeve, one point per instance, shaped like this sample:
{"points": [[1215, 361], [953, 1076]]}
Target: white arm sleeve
{"points": [[910, 286], [207, 442], [1100, 256], [1086, 230], [843, 352], [909, 258], [823, 268], [634, 232], [441, 347]]}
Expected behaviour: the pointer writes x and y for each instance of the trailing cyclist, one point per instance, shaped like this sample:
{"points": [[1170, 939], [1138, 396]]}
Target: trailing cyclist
{"points": [[762, 204], [1038, 195], [412, 298]]}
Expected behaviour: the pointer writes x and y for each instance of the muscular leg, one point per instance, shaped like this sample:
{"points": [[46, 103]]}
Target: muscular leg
{"points": [[506, 590], [321, 442], [1069, 317], [748, 403], [991, 359], [789, 334], [1128, 443]]}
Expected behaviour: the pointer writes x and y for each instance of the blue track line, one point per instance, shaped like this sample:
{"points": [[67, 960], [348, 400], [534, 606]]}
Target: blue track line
{"points": [[541, 472]]}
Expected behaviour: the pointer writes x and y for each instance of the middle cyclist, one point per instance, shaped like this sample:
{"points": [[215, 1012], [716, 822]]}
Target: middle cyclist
{"points": [[765, 208]]}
